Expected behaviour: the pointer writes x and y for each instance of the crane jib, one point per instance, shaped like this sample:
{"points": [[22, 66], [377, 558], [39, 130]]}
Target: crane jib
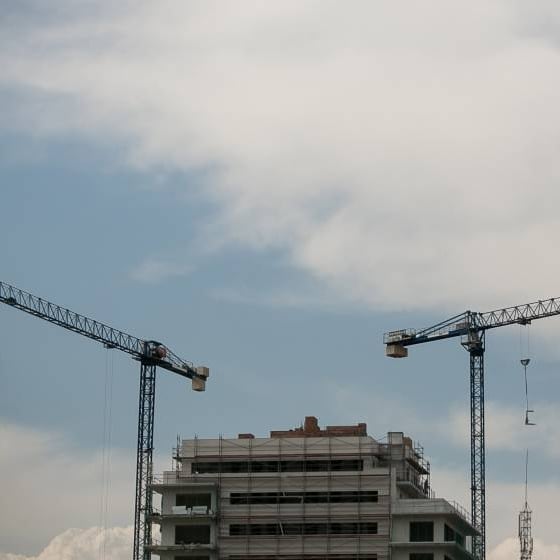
{"points": [[469, 321], [90, 328]]}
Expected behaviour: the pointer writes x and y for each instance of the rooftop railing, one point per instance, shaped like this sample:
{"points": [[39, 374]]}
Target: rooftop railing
{"points": [[461, 511]]}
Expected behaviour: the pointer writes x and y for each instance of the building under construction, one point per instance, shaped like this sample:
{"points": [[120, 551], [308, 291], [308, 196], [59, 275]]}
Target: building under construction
{"points": [[306, 493]]}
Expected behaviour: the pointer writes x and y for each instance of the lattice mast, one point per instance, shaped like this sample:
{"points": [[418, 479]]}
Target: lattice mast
{"points": [[525, 535]]}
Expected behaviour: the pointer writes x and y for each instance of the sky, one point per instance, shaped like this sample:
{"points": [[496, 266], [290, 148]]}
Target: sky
{"points": [[267, 188]]}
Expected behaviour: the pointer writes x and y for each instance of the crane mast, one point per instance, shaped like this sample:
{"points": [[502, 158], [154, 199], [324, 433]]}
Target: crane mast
{"points": [[151, 355], [471, 328], [525, 534]]}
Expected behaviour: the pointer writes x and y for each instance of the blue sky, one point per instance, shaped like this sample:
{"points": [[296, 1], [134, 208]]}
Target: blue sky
{"points": [[227, 186]]}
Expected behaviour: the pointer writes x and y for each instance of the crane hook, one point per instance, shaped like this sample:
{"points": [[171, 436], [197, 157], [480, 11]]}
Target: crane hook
{"points": [[525, 362]]}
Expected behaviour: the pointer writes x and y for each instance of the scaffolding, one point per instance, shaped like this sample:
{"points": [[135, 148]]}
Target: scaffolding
{"points": [[286, 485], [320, 495]]}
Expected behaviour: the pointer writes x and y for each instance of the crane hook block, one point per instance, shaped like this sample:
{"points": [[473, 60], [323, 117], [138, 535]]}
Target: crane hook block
{"points": [[396, 351], [528, 419]]}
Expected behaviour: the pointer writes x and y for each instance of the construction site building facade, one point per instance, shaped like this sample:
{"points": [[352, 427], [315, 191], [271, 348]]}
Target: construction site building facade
{"points": [[305, 494]]}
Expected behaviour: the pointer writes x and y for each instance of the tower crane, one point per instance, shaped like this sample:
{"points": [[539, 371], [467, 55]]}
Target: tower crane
{"points": [[151, 355], [471, 328]]}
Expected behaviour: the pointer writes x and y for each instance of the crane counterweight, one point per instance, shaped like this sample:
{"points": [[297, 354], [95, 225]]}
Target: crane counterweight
{"points": [[199, 381], [396, 351]]}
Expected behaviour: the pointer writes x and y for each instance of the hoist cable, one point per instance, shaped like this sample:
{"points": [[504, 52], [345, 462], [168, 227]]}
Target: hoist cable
{"points": [[103, 452], [525, 360], [526, 474], [106, 453], [526, 390]]}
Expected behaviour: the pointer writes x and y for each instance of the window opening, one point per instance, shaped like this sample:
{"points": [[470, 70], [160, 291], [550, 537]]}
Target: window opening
{"points": [[291, 529], [187, 534], [193, 500], [449, 534], [421, 531], [211, 467], [324, 497]]}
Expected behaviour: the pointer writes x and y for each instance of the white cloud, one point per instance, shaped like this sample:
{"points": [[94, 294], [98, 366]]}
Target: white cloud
{"points": [[504, 500], [539, 343], [54, 485], [510, 549], [84, 544], [503, 503], [505, 429], [405, 158]]}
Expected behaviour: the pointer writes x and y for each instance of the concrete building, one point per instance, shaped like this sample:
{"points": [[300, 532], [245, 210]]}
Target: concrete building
{"points": [[305, 494]]}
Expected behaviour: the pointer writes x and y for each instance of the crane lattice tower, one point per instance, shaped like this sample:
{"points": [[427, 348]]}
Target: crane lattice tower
{"points": [[525, 535]]}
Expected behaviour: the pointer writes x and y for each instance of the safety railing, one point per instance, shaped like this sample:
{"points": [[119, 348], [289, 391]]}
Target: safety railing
{"points": [[461, 511], [413, 478]]}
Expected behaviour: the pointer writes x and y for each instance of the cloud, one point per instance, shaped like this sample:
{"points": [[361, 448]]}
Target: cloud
{"points": [[154, 271], [84, 544], [510, 549], [539, 341], [504, 501], [53, 485], [451, 423], [405, 159], [503, 428]]}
